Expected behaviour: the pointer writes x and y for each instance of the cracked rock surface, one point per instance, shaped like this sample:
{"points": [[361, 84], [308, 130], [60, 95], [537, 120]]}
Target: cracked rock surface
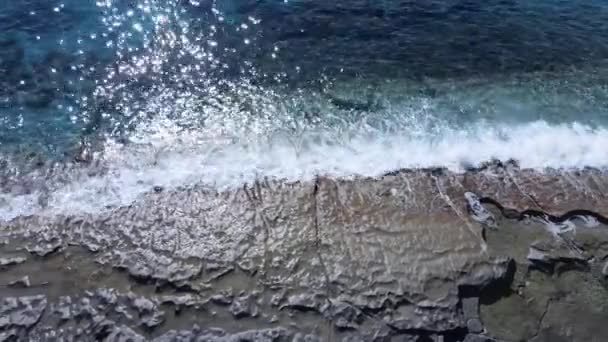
{"points": [[403, 257]]}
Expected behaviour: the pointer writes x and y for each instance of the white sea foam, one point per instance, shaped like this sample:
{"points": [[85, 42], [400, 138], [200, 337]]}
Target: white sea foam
{"points": [[170, 159]]}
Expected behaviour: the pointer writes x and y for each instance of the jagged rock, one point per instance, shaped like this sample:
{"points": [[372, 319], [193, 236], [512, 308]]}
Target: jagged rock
{"points": [[243, 306], [306, 302], [12, 261], [21, 312], [329, 250], [536, 255], [84, 309], [124, 334], [106, 296], [558, 260], [20, 283], [146, 265], [44, 247], [345, 316], [218, 335], [277, 298], [177, 336], [225, 297], [216, 273], [478, 212], [63, 308], [143, 304], [148, 312], [183, 300], [299, 337], [9, 335], [269, 335], [101, 327]]}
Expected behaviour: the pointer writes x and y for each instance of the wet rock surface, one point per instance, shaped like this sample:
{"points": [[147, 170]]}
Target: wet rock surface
{"points": [[405, 257], [18, 314]]}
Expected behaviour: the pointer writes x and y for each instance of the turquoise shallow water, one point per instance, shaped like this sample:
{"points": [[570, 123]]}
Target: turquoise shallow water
{"points": [[175, 92]]}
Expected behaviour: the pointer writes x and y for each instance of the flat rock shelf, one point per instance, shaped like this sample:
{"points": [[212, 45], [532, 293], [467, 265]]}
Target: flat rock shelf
{"points": [[410, 256]]}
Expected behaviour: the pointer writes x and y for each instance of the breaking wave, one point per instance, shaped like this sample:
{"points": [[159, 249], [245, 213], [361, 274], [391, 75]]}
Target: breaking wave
{"points": [[167, 94], [169, 159]]}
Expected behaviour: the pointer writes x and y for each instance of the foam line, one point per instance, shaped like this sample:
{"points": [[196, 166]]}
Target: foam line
{"points": [[180, 159]]}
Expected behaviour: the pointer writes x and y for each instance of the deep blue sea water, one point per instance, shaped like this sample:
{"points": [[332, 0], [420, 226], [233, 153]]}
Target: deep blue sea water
{"points": [[175, 92]]}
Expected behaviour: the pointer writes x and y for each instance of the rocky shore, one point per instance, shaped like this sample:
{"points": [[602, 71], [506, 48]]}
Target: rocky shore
{"points": [[410, 256]]}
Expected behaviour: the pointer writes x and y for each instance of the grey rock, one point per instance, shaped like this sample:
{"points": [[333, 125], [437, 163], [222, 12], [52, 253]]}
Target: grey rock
{"points": [[143, 304], [266, 335], [84, 309], [277, 298], [330, 251], [218, 335], [470, 307], [9, 335], [22, 282], [43, 248], [21, 312], [534, 254], [224, 297], [12, 261], [150, 315], [124, 334], [474, 325], [477, 338], [101, 326], [478, 212], [106, 296], [63, 308], [299, 337], [182, 300], [177, 336], [146, 265], [305, 302], [345, 316], [551, 253], [243, 306]]}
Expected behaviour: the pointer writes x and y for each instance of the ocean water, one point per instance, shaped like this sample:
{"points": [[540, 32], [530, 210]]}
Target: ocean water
{"points": [[103, 100]]}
